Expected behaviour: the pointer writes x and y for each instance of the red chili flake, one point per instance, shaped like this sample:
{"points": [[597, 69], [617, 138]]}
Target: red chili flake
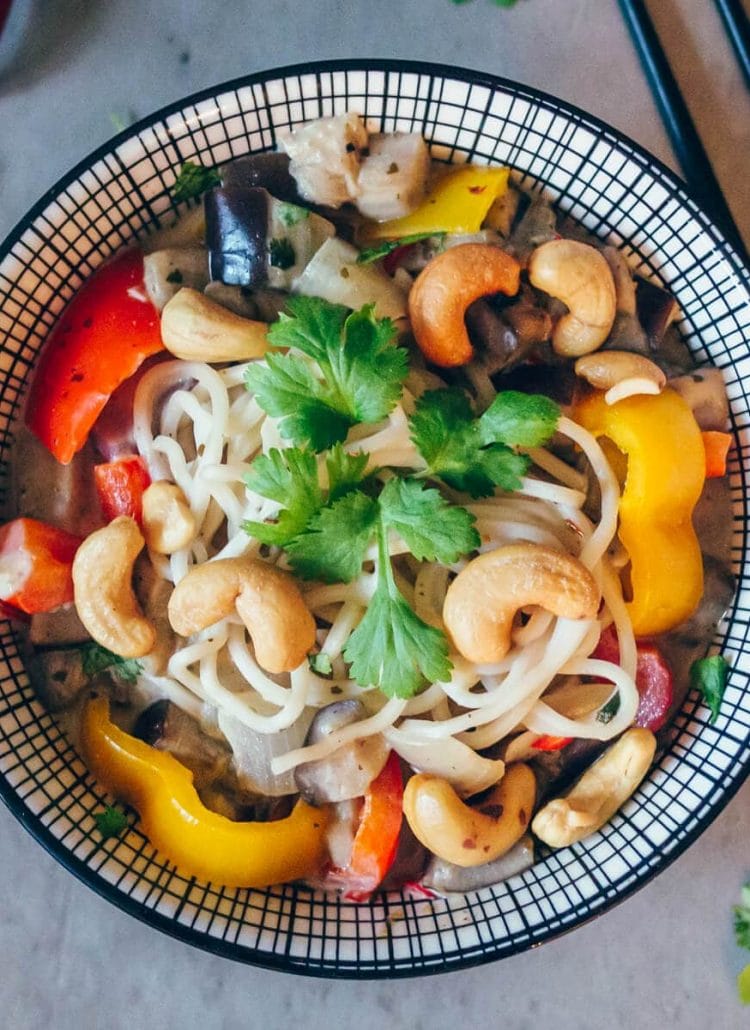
{"points": [[470, 844], [522, 816], [477, 189]]}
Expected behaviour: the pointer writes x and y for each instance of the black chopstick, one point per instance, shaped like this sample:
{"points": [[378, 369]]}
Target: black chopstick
{"points": [[737, 24], [678, 122]]}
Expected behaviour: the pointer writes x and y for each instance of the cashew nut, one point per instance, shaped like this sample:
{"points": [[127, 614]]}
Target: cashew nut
{"points": [[196, 328], [168, 522], [621, 373], [103, 590], [444, 290], [483, 599], [467, 836], [579, 276], [602, 789], [267, 600]]}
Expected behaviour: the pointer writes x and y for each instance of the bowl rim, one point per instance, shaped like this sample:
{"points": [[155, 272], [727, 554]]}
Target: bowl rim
{"points": [[456, 958]]}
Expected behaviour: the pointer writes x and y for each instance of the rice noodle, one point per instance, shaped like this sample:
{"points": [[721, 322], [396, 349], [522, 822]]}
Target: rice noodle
{"points": [[205, 439]]}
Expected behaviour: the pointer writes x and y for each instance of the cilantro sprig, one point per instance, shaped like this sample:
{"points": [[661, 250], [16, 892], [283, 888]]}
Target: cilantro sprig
{"points": [[392, 648], [110, 822], [194, 180], [475, 455], [96, 659], [357, 374], [370, 254]]}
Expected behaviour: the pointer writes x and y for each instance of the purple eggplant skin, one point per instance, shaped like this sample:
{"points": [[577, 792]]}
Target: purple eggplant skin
{"points": [[236, 234], [270, 171]]}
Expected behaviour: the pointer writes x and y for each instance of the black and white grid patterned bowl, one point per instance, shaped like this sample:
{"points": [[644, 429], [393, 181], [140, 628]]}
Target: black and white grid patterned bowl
{"points": [[618, 192]]}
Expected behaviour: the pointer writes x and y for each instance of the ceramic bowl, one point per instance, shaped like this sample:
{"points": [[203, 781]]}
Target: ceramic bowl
{"points": [[621, 194]]}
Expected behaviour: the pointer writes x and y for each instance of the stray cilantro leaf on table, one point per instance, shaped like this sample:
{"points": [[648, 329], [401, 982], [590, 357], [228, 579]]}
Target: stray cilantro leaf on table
{"points": [[742, 919], [709, 676], [96, 659], [110, 822], [475, 455], [361, 371], [194, 180]]}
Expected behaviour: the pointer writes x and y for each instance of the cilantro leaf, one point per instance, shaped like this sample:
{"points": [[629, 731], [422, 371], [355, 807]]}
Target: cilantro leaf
{"points": [[96, 659], [370, 254], [519, 419], [709, 676], [311, 327], [285, 387], [431, 528], [742, 919], [290, 477], [456, 448], [290, 214], [334, 545], [320, 663], [193, 180], [392, 648], [369, 369], [345, 471], [111, 822], [362, 371]]}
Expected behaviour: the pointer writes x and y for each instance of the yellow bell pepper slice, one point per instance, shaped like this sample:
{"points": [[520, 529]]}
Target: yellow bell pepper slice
{"points": [[457, 202], [663, 481], [200, 842]]}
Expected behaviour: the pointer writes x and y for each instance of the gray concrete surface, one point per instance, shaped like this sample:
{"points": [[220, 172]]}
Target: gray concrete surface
{"points": [[665, 958]]}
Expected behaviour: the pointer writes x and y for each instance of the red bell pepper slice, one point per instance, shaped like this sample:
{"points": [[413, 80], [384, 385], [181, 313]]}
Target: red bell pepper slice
{"points": [[120, 485], [653, 678], [376, 840], [717, 447], [547, 742], [101, 338], [36, 560]]}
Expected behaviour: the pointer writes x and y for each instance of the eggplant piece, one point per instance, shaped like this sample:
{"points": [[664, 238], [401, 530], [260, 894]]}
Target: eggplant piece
{"points": [[269, 171], [557, 381], [58, 677], [166, 727], [57, 628], [656, 309], [704, 390], [236, 231], [409, 863], [238, 299], [556, 770], [447, 878], [348, 771], [255, 240], [537, 226]]}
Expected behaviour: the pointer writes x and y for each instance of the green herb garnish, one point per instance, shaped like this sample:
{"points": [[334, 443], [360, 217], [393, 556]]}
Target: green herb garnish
{"points": [[607, 712], [96, 659], [370, 254], [709, 676], [111, 822], [194, 180], [291, 214], [281, 253], [320, 663], [361, 371], [475, 455]]}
